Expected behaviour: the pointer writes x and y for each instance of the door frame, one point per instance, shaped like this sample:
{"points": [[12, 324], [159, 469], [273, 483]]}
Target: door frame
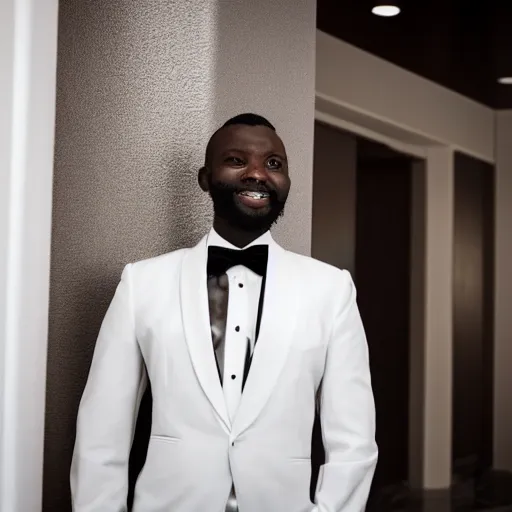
{"points": [[430, 376]]}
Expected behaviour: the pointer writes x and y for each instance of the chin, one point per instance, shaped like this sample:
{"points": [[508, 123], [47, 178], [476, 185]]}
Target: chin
{"points": [[252, 224], [254, 213], [243, 217]]}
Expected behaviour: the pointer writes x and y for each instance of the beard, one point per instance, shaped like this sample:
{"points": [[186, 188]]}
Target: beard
{"points": [[227, 206]]}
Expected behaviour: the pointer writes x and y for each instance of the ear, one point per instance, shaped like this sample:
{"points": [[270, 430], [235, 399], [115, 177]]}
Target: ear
{"points": [[202, 179]]}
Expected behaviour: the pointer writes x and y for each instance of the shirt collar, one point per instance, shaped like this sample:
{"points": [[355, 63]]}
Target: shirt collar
{"points": [[215, 239]]}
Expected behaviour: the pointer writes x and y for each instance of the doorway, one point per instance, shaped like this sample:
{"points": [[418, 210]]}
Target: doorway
{"points": [[473, 314], [362, 209], [382, 276]]}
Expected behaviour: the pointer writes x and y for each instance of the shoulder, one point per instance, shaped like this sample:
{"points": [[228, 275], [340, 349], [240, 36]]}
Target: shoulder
{"points": [[324, 290], [319, 271], [324, 285], [157, 263], [149, 271]]}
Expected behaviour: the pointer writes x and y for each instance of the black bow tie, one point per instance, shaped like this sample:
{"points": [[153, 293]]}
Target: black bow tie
{"points": [[220, 259]]}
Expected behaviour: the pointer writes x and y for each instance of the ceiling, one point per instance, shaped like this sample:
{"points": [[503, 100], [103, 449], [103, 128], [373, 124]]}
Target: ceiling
{"points": [[464, 45]]}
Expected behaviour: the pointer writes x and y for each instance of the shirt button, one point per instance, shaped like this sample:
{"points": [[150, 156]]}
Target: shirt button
{"points": [[237, 328], [241, 285], [233, 377]]}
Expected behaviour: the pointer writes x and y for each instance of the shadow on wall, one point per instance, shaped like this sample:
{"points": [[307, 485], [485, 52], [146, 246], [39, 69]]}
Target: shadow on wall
{"points": [[78, 314], [83, 282]]}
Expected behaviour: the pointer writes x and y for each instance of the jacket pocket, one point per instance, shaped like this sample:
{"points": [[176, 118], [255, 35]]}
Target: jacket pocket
{"points": [[164, 439]]}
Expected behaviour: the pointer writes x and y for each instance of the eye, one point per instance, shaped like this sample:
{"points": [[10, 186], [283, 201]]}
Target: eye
{"points": [[234, 161], [274, 164]]}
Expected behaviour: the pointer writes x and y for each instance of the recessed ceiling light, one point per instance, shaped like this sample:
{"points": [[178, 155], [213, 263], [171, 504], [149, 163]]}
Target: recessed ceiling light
{"points": [[386, 10], [505, 80]]}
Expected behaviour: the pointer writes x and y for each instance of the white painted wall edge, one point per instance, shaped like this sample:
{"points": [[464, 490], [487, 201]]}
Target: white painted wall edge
{"points": [[28, 58], [371, 92]]}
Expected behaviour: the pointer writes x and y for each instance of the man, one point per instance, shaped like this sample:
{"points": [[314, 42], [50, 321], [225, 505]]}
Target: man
{"points": [[241, 341]]}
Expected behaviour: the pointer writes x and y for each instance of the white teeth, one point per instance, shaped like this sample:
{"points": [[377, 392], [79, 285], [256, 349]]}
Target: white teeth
{"points": [[255, 195]]}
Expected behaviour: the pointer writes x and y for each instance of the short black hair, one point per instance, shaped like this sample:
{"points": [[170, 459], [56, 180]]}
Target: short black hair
{"points": [[249, 120], [246, 119]]}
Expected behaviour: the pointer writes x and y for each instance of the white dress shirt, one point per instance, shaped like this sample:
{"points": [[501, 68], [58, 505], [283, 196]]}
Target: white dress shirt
{"points": [[244, 296]]}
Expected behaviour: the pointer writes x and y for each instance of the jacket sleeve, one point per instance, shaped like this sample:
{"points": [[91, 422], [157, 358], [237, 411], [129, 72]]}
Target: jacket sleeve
{"points": [[108, 410], [347, 412]]}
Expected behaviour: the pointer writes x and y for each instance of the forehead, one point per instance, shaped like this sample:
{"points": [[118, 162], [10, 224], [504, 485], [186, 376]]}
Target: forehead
{"points": [[248, 138]]}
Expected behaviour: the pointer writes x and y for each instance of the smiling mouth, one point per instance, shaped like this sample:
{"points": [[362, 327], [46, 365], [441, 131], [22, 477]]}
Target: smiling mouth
{"points": [[254, 200], [254, 195]]}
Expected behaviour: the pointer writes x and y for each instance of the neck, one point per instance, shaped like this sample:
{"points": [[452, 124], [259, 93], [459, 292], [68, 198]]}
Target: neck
{"points": [[236, 236]]}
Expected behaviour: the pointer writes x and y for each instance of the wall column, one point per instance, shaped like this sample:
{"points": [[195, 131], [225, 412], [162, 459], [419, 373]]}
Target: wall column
{"points": [[141, 86], [438, 319], [431, 322], [265, 62]]}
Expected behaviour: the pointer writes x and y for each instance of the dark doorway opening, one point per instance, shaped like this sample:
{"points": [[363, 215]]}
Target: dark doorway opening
{"points": [[373, 241], [473, 317], [382, 276]]}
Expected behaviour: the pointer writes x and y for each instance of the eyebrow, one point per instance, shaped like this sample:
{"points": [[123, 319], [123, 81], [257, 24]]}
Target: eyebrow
{"points": [[267, 155]]}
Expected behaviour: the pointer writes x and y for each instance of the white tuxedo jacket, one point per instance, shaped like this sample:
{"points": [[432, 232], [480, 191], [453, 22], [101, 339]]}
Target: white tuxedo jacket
{"points": [[311, 352]]}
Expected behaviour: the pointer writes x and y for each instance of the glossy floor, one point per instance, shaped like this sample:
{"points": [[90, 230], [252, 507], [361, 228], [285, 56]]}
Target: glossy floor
{"points": [[445, 506]]}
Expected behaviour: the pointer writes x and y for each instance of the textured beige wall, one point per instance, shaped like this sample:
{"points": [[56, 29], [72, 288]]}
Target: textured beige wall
{"points": [[141, 84], [265, 62], [503, 295]]}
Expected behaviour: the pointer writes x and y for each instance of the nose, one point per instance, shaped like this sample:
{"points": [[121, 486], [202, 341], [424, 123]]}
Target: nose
{"points": [[256, 171]]}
